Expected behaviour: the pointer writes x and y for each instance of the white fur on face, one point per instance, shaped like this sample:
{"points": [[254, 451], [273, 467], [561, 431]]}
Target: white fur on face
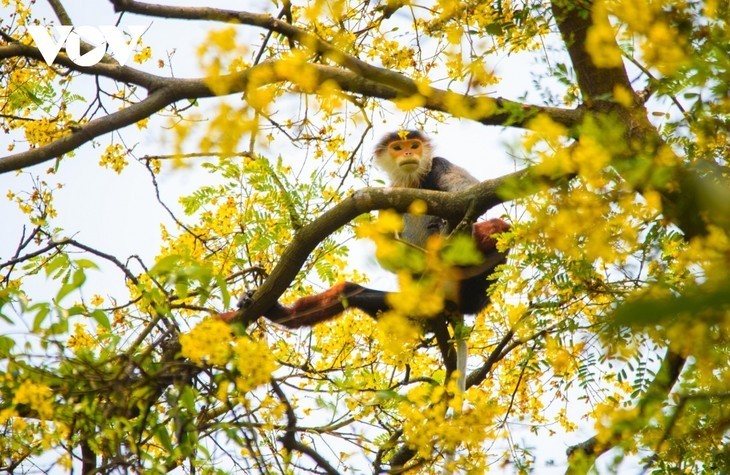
{"points": [[407, 177]]}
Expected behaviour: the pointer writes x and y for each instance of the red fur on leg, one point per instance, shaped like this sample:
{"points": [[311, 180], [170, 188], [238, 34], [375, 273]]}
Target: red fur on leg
{"points": [[483, 231], [318, 308], [227, 317], [310, 310]]}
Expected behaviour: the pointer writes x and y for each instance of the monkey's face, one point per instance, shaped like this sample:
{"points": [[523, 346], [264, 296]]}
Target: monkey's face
{"points": [[406, 161], [406, 154]]}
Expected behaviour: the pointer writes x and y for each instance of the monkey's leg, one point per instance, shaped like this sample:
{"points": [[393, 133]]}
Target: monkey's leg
{"points": [[310, 310], [482, 233]]}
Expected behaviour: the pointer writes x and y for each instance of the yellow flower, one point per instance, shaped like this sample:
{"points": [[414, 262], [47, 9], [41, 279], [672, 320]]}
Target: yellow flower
{"points": [[409, 103], [418, 207], [254, 362], [143, 55], [210, 341], [623, 96], [114, 158], [80, 338], [37, 396], [663, 48], [601, 40], [389, 222], [398, 336]]}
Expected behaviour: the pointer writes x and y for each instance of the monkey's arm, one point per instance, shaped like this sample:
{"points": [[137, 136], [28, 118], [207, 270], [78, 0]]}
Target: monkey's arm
{"points": [[449, 177]]}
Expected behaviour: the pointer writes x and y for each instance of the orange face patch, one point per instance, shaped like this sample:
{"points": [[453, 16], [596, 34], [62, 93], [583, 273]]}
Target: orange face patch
{"points": [[405, 148]]}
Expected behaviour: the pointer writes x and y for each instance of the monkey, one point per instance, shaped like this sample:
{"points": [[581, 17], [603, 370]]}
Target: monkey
{"points": [[407, 159]]}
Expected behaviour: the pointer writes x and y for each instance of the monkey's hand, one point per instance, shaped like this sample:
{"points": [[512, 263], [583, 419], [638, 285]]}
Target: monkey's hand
{"points": [[244, 302], [436, 226], [247, 299], [272, 312]]}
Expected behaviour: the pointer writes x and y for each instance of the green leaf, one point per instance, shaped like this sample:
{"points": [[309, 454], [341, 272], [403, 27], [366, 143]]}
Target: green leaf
{"points": [[164, 438], [166, 265], [6, 296], [43, 311], [388, 394], [76, 310], [6, 344], [648, 312], [86, 264], [59, 262], [101, 319], [77, 280], [462, 251], [59, 328], [187, 399]]}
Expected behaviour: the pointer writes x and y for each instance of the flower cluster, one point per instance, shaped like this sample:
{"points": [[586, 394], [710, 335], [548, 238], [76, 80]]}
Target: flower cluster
{"points": [[208, 342]]}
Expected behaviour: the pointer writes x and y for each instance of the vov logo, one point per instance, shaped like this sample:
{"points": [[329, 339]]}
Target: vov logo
{"points": [[99, 35]]}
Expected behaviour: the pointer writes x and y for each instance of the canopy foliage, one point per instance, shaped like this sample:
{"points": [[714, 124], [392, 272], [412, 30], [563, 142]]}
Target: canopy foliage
{"points": [[608, 328]]}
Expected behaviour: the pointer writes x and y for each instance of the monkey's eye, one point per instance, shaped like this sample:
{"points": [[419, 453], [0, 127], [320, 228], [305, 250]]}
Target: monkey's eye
{"points": [[397, 148], [415, 145]]}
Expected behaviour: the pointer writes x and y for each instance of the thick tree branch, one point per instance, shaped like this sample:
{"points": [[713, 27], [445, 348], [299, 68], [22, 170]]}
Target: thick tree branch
{"points": [[574, 20], [685, 197], [683, 203], [359, 77], [166, 91], [110, 69], [308, 40], [501, 111], [154, 102]]}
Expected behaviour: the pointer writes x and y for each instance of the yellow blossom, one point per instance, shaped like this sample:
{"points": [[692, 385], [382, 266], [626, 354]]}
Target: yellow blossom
{"points": [[559, 358], [143, 55], [637, 14], [663, 48], [411, 102], [6, 414], [37, 396], [417, 298], [209, 341], [254, 362], [601, 40], [398, 337], [114, 158], [623, 96], [80, 339], [418, 207]]}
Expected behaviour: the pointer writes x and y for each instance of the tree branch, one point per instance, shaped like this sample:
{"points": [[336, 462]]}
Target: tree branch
{"points": [[685, 199], [289, 439], [574, 20], [168, 91], [110, 69], [582, 456]]}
